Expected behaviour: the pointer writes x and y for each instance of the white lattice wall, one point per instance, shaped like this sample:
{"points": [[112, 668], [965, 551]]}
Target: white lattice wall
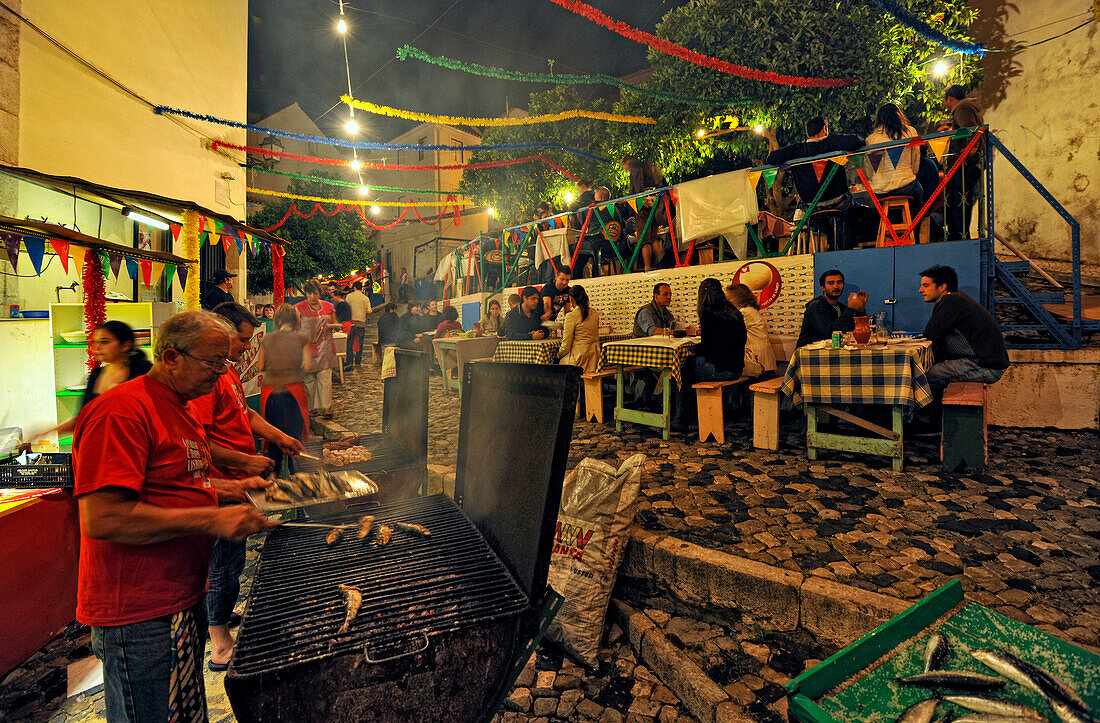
{"points": [[618, 298]]}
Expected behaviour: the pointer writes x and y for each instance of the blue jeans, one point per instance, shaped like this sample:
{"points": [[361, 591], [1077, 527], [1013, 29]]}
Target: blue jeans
{"points": [[226, 566], [352, 355], [138, 661], [960, 370]]}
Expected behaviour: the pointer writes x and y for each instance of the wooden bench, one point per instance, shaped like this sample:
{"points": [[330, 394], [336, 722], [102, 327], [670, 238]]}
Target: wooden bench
{"points": [[964, 432], [593, 391], [765, 413], [708, 400]]}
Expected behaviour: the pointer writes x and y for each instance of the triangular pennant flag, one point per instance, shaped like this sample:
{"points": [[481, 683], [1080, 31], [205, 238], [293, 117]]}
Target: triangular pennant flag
{"points": [[856, 159], [132, 268], [895, 154], [240, 246], [176, 228], [116, 263], [633, 203], [214, 226], [78, 253], [254, 245], [917, 140], [181, 274], [938, 146], [158, 269], [146, 267], [819, 168], [840, 160], [875, 157], [963, 133], [61, 248], [202, 225], [769, 176], [11, 244], [225, 243], [754, 178], [36, 249], [103, 262], [169, 271]]}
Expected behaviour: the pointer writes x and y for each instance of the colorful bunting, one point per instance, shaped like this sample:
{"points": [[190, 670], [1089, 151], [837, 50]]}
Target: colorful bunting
{"points": [[115, 262], [894, 152], [102, 256], [176, 228], [61, 248], [875, 157], [938, 146], [769, 176], [492, 122], [169, 271], [754, 178], [819, 168], [840, 160], [158, 269], [633, 203], [78, 253], [11, 243], [856, 159], [347, 202], [132, 268], [181, 273], [146, 267], [36, 249], [925, 30]]}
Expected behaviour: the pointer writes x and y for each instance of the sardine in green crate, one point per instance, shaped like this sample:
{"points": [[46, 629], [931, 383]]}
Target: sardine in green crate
{"points": [[859, 683]]}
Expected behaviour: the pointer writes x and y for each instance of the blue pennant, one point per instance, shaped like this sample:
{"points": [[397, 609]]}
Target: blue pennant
{"points": [[895, 154]]}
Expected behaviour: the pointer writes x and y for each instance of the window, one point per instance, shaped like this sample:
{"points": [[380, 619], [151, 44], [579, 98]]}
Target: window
{"points": [[458, 154], [422, 142]]}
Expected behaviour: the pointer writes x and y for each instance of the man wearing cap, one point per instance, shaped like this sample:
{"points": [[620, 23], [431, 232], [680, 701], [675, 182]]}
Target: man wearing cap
{"points": [[219, 290]]}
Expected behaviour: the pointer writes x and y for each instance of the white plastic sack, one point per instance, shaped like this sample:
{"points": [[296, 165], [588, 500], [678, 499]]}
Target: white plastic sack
{"points": [[716, 205], [597, 508]]}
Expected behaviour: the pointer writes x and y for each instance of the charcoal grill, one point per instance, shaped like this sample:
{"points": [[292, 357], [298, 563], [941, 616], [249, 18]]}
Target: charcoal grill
{"points": [[447, 621]]}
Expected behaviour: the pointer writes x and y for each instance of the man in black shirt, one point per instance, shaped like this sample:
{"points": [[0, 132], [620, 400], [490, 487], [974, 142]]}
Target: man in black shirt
{"points": [[523, 322], [219, 290], [967, 344], [806, 181], [825, 314], [388, 325], [555, 295], [408, 327], [341, 307]]}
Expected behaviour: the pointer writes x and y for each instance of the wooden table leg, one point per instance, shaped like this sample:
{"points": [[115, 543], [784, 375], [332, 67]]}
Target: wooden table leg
{"points": [[618, 396], [666, 375], [811, 431], [897, 413]]}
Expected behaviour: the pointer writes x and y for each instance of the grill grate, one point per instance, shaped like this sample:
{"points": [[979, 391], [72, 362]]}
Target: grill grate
{"points": [[412, 586]]}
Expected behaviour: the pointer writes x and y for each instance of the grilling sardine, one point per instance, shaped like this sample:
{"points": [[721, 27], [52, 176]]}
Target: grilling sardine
{"points": [[383, 535], [953, 679], [334, 535], [418, 530], [921, 712], [366, 522], [1031, 676], [935, 651], [352, 600], [995, 706], [275, 494]]}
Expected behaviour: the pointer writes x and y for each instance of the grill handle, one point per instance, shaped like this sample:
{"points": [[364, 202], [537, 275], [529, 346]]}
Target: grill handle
{"points": [[418, 649], [363, 505]]}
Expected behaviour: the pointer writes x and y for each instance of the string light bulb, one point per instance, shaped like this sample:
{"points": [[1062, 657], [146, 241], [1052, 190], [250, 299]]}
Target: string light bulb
{"points": [[364, 190], [342, 26], [759, 128], [351, 126], [568, 197], [940, 68], [492, 212], [355, 165], [375, 210], [700, 133]]}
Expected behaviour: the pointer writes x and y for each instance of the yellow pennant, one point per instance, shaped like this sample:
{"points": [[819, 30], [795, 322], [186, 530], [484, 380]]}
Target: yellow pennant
{"points": [[754, 178], [938, 146], [77, 253], [633, 202], [840, 160], [158, 269]]}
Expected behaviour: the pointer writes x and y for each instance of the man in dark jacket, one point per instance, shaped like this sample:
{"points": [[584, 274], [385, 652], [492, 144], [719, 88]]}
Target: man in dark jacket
{"points": [[825, 314], [962, 189], [388, 325], [967, 344], [218, 293], [408, 327], [524, 322]]}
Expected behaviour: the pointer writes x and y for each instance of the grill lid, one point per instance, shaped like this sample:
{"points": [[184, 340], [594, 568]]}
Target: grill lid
{"points": [[412, 588], [513, 444]]}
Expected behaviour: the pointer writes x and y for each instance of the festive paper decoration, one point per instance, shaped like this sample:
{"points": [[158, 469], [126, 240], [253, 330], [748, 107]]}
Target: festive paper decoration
{"points": [[819, 168], [894, 152], [281, 194], [95, 301], [562, 78], [394, 166], [587, 11], [146, 271], [132, 268], [181, 274], [278, 290], [169, 272], [115, 261], [494, 122], [176, 228], [769, 176], [11, 244], [349, 184], [78, 253], [938, 146], [103, 260], [925, 30], [165, 110], [189, 249], [754, 178], [36, 249]]}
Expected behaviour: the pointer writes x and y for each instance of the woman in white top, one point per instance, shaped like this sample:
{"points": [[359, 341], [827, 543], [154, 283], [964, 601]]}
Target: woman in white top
{"points": [[895, 179], [580, 341], [759, 357]]}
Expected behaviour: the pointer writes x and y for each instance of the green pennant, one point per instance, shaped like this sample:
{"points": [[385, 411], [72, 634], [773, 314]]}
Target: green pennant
{"points": [[169, 272], [962, 133], [856, 159], [769, 176], [104, 263]]}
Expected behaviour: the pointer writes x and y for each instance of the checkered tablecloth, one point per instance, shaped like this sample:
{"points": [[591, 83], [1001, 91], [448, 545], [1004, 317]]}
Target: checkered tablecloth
{"points": [[543, 351], [653, 352], [892, 374]]}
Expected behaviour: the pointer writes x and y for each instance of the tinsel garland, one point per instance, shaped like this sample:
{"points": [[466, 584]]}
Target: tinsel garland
{"points": [[455, 120], [299, 197], [368, 145], [278, 288], [349, 184], [339, 208], [95, 301], [408, 51], [587, 11], [189, 249], [925, 30], [393, 166]]}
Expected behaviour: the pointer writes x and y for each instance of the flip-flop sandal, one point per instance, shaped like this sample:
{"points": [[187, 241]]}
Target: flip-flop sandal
{"points": [[234, 620], [217, 667]]}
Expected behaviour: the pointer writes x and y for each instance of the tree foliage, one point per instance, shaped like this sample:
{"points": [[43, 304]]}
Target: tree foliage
{"points": [[326, 245], [811, 38]]}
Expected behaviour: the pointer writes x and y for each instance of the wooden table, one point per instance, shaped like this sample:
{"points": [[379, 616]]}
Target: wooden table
{"points": [[540, 351], [663, 355], [464, 349], [893, 374]]}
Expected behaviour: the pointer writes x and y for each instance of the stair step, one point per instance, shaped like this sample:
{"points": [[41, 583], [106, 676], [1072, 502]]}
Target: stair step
{"points": [[1014, 267], [1040, 297]]}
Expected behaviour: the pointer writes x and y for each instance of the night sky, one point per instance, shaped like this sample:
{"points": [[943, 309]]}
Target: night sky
{"points": [[294, 54]]}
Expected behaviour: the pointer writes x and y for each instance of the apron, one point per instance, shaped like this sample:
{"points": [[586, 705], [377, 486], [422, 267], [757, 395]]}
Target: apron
{"points": [[321, 346]]}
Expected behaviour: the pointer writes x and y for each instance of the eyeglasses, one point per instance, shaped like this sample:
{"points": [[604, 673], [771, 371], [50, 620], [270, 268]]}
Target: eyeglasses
{"points": [[215, 366]]}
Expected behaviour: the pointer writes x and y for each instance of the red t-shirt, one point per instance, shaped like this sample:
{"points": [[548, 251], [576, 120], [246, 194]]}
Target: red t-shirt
{"points": [[141, 436], [224, 414]]}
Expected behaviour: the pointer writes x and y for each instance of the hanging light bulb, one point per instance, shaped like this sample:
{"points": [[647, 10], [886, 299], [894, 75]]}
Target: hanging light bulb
{"points": [[375, 210], [568, 197], [364, 190], [355, 165], [351, 126], [341, 27], [700, 133], [492, 212], [940, 68], [759, 128]]}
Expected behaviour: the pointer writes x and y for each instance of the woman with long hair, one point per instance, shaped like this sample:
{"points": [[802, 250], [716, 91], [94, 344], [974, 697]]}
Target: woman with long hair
{"points": [[283, 358], [318, 321], [580, 343], [759, 357], [490, 323], [720, 355], [891, 179]]}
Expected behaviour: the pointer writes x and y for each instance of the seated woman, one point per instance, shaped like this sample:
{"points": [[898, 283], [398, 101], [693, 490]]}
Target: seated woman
{"points": [[580, 342], [759, 357], [890, 179], [490, 323], [450, 326]]}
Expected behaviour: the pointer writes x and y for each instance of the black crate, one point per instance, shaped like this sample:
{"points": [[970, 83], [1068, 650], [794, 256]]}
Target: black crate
{"points": [[53, 470]]}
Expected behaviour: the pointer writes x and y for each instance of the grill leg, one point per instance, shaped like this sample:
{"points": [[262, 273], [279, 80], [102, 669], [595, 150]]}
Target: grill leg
{"points": [[550, 608]]}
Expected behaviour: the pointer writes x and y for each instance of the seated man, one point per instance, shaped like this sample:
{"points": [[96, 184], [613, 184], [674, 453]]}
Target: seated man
{"points": [[388, 325], [806, 181], [513, 301], [825, 314], [555, 295], [409, 328], [656, 314], [524, 322], [967, 344]]}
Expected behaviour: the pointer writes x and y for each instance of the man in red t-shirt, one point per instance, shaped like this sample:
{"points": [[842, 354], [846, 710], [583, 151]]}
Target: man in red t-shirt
{"points": [[149, 516], [230, 425]]}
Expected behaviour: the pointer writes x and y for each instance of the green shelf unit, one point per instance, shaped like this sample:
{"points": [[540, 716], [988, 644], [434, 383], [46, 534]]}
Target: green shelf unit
{"points": [[69, 393], [67, 345]]}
